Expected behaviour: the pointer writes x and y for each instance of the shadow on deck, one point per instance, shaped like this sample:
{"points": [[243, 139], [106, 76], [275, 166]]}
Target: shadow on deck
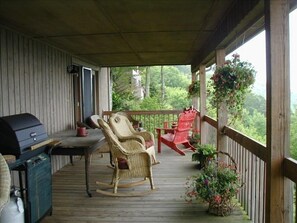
{"points": [[71, 203]]}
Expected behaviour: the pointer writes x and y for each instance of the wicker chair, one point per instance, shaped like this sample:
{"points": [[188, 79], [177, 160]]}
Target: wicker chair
{"points": [[4, 183], [93, 121], [123, 129], [131, 161], [135, 123]]}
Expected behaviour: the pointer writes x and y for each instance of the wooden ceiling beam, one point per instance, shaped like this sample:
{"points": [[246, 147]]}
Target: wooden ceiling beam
{"points": [[234, 24]]}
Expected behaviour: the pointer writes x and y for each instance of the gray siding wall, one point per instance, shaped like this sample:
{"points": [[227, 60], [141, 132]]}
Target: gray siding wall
{"points": [[33, 78]]}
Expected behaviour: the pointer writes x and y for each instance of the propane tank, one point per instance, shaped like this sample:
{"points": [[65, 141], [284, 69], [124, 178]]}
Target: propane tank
{"points": [[13, 211]]}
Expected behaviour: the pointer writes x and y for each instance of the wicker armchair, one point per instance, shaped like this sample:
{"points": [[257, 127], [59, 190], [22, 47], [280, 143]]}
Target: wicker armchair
{"points": [[135, 123], [123, 129], [131, 161], [4, 183]]}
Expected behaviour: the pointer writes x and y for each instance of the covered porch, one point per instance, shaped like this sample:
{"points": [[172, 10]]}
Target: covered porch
{"points": [[40, 39], [167, 204]]}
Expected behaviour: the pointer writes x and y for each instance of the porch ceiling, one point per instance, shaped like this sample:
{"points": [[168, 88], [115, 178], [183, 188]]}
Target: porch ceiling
{"points": [[135, 32]]}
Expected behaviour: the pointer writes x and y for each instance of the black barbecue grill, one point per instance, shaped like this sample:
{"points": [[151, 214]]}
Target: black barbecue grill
{"points": [[22, 135]]}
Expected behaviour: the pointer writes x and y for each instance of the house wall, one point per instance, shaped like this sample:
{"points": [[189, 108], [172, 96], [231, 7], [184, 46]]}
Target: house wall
{"points": [[33, 78]]}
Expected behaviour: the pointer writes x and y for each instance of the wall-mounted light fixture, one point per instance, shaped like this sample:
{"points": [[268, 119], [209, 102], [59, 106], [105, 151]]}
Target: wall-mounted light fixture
{"points": [[73, 69]]}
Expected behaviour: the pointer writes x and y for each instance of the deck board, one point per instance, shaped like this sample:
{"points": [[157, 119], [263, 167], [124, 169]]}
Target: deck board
{"points": [[71, 203]]}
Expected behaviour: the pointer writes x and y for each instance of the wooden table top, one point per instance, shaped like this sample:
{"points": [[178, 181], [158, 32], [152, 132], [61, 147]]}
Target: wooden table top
{"points": [[68, 138]]}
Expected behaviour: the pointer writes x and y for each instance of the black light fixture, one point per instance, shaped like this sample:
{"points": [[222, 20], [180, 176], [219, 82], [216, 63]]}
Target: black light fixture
{"points": [[73, 69]]}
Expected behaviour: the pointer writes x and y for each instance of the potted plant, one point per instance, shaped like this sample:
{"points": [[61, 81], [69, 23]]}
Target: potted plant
{"points": [[195, 138], [231, 83], [204, 153], [194, 89], [217, 184]]}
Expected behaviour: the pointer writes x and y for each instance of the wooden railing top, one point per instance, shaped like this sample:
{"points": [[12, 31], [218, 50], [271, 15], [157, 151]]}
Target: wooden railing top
{"points": [[210, 121], [290, 167], [145, 112], [251, 145]]}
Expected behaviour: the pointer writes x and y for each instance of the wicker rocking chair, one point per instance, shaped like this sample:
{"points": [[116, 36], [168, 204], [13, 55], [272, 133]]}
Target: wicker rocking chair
{"points": [[131, 161], [123, 129], [4, 183]]}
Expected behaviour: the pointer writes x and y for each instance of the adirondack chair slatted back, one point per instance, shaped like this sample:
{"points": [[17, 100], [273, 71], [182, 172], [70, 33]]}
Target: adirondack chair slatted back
{"points": [[178, 135], [184, 125]]}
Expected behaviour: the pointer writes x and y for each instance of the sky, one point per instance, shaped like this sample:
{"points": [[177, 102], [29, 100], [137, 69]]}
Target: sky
{"points": [[253, 51]]}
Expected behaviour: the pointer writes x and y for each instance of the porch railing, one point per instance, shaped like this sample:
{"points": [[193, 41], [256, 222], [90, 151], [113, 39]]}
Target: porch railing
{"points": [[250, 155], [150, 119]]}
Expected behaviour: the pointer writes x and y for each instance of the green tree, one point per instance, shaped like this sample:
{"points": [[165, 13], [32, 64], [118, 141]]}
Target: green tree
{"points": [[254, 102], [153, 103], [252, 125], [293, 133], [177, 98], [122, 101]]}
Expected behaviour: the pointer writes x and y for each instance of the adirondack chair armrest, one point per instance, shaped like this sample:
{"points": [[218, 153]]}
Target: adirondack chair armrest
{"points": [[165, 130]]}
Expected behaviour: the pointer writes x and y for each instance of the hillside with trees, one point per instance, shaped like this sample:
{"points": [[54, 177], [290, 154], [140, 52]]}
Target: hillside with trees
{"points": [[166, 87]]}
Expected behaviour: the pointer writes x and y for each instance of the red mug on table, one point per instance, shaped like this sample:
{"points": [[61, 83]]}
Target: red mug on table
{"points": [[81, 131]]}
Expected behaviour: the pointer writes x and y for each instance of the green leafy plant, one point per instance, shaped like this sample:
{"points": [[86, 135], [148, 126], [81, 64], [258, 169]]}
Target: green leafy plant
{"points": [[195, 138], [204, 153], [231, 82], [194, 89], [217, 184]]}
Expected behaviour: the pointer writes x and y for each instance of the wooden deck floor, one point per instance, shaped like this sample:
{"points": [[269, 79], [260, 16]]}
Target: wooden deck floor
{"points": [[71, 204]]}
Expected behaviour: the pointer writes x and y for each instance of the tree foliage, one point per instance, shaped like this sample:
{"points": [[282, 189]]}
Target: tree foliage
{"points": [[177, 80], [293, 133]]}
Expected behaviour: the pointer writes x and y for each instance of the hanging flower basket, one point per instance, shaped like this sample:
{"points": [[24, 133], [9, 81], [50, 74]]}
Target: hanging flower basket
{"points": [[194, 89], [231, 83]]}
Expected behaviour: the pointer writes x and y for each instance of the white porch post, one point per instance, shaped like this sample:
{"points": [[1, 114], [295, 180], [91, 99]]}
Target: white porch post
{"points": [[278, 193], [105, 91]]}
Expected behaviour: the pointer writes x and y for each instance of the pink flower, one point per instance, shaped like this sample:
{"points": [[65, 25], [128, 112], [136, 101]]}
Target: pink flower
{"points": [[217, 199]]}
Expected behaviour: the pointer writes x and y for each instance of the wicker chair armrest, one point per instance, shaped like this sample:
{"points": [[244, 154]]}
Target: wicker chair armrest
{"points": [[139, 160], [133, 146], [146, 135], [138, 138]]}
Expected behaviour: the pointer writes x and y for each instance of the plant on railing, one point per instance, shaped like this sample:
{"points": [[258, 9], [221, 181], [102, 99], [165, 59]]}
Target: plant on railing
{"points": [[204, 153], [195, 138], [194, 89], [231, 83], [217, 184]]}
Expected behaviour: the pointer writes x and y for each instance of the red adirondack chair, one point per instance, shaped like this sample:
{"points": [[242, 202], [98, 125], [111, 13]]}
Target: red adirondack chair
{"points": [[178, 135]]}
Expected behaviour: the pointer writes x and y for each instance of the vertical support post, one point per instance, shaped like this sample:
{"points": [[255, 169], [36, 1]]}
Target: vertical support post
{"points": [[278, 189], [195, 103], [105, 90], [222, 114], [203, 125]]}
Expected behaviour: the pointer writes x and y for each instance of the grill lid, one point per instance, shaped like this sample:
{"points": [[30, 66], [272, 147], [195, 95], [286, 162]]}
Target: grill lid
{"points": [[19, 132]]}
